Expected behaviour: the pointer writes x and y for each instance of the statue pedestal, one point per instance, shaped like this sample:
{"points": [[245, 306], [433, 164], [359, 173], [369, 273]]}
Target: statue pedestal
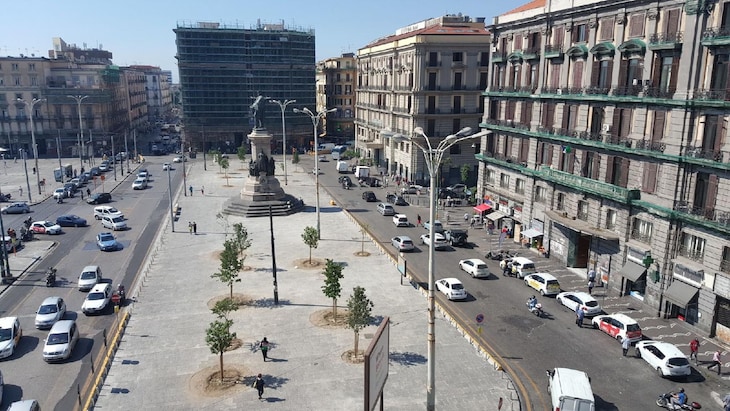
{"points": [[261, 184], [262, 188]]}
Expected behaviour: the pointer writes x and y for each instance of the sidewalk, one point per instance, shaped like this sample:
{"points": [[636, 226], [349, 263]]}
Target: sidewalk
{"points": [[163, 359]]}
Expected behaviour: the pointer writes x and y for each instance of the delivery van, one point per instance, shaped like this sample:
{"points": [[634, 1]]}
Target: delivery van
{"points": [[570, 390], [362, 172], [342, 167]]}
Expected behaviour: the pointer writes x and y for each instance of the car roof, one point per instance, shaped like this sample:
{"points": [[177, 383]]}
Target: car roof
{"points": [[400, 216], [452, 280], [580, 294], [61, 326], [90, 268], [7, 322], [100, 287], [403, 237], [475, 260], [546, 276], [668, 349], [50, 300], [622, 317], [522, 260]]}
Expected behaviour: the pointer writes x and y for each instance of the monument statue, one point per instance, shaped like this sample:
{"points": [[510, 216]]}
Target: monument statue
{"points": [[263, 164], [258, 110]]}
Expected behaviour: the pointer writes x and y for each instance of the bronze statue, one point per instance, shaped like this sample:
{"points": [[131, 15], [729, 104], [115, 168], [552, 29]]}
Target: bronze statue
{"points": [[262, 164], [258, 110]]}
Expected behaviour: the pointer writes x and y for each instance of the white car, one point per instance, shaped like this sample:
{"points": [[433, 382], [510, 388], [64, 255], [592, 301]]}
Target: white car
{"points": [[439, 242], [90, 276], [475, 267], [52, 309], [45, 227], [60, 193], [665, 358], [179, 159], [545, 283], [61, 341], [452, 288], [585, 301], [401, 220], [166, 166], [10, 334], [97, 299], [402, 243], [106, 211], [113, 223], [139, 184]]}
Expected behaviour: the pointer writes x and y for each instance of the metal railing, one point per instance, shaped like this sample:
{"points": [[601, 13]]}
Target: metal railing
{"points": [[691, 253]]}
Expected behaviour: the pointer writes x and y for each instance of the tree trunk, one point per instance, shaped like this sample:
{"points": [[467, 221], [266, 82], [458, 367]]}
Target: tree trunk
{"points": [[334, 309], [357, 340], [310, 255], [231, 285], [221, 362]]}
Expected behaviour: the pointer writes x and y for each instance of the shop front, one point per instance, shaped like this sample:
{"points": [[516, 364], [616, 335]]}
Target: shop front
{"points": [[634, 279], [533, 236], [681, 297]]}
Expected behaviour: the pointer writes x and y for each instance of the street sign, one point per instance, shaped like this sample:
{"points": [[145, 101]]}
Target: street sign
{"points": [[480, 318]]}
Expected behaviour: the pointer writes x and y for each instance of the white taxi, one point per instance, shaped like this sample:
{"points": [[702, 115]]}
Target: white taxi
{"points": [[545, 283]]}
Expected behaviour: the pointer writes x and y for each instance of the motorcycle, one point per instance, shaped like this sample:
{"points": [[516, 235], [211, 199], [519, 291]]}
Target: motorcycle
{"points": [[28, 222], [665, 401], [5, 197], [535, 309], [51, 277], [25, 234], [500, 255]]}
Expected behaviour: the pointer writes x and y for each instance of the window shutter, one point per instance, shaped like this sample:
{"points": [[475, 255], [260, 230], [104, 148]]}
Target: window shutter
{"points": [[623, 73], [511, 80], [584, 163], [571, 162], [558, 36], [675, 74], [607, 28], [578, 74], [566, 117], [595, 73], [720, 133], [540, 152], [573, 116], [596, 167], [518, 41], [672, 23], [657, 133], [555, 74], [648, 183], [711, 199], [623, 179], [508, 146], [609, 169], [524, 149], [626, 115], [616, 122], [656, 73], [549, 154], [636, 27]]}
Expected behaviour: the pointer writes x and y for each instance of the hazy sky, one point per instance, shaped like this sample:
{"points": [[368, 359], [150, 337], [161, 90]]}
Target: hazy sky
{"points": [[140, 32]]}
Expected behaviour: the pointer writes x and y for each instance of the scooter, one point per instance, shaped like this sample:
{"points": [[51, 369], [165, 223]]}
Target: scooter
{"points": [[27, 222], [665, 401], [59, 200], [25, 234], [535, 309], [51, 277]]}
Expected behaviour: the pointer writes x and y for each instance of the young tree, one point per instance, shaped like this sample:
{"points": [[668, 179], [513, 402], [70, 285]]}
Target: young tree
{"points": [[224, 307], [358, 315], [295, 157], [311, 239], [230, 265], [242, 242], [332, 288], [224, 164], [464, 172], [216, 157], [219, 337], [241, 153]]}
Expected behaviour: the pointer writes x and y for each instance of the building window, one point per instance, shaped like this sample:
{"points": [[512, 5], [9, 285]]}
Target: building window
{"points": [[16, 81], [455, 149], [520, 186], [641, 230], [490, 176], [458, 57], [483, 78], [582, 210], [540, 194], [14, 67], [560, 202], [692, 247], [611, 219], [666, 74], [725, 263], [433, 59], [504, 180], [580, 33]]}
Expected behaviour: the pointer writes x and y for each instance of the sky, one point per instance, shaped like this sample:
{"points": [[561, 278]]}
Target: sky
{"points": [[140, 31]]}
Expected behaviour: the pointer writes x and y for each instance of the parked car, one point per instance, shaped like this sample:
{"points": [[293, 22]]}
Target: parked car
{"points": [[474, 267], [45, 227], [520, 265], [402, 243], [90, 276], [385, 209], [412, 189], [10, 334], [16, 208], [439, 242], [70, 220], [545, 283], [166, 167], [618, 326], [52, 309], [437, 226], [99, 198], [574, 299], [665, 358], [78, 181], [24, 405], [452, 288], [97, 299], [61, 341], [369, 196], [106, 242], [106, 211]]}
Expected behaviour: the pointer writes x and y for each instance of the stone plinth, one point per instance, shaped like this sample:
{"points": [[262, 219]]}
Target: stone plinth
{"points": [[264, 186]]}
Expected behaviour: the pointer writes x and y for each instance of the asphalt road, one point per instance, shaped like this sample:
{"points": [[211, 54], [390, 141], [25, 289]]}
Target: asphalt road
{"points": [[527, 345], [144, 210]]}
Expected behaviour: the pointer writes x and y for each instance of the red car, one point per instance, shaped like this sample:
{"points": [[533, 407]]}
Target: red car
{"points": [[45, 227]]}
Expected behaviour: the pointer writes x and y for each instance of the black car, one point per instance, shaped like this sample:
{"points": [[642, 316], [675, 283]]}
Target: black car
{"points": [[369, 196], [99, 198], [395, 200], [345, 181], [70, 220]]}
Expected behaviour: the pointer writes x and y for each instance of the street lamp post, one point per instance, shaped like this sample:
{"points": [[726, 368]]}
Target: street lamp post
{"points": [[282, 106], [31, 106], [315, 123], [79, 99], [434, 157]]}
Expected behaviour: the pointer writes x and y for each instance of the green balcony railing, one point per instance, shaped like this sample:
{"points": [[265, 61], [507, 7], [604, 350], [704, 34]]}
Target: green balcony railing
{"points": [[588, 185]]}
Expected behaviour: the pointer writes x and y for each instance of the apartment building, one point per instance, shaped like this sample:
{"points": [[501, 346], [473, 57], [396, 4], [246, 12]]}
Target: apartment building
{"points": [[429, 74], [157, 87], [610, 150], [223, 68], [336, 80]]}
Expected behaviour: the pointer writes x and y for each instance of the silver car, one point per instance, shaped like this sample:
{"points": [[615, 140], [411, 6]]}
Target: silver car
{"points": [[51, 310]]}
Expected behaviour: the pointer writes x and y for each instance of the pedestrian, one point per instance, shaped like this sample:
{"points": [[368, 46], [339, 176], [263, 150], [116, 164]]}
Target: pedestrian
{"points": [[466, 216], [579, 314], [190, 227], [694, 347], [716, 361], [191, 191], [88, 192], [202, 190], [82, 194], [33, 170], [625, 343], [195, 228], [418, 219], [264, 345], [592, 275], [591, 283], [259, 385], [471, 224], [490, 227], [20, 188]]}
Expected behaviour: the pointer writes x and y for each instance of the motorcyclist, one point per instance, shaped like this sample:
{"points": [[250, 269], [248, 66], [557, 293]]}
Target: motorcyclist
{"points": [[679, 399], [532, 302]]}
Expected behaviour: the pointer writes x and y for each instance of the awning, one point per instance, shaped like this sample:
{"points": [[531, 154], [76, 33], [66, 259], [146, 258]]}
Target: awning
{"points": [[482, 207], [680, 293], [581, 226], [496, 215], [530, 233], [632, 271]]}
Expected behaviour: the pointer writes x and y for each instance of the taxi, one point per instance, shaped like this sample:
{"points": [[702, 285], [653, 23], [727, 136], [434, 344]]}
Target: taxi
{"points": [[10, 334], [618, 326], [545, 283]]}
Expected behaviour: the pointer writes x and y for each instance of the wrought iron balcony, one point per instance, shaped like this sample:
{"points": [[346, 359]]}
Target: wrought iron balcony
{"points": [[639, 236], [702, 212], [645, 144], [716, 36], [659, 92], [552, 51], [691, 253], [665, 41], [704, 94], [499, 57], [598, 188], [698, 152], [627, 91], [531, 53]]}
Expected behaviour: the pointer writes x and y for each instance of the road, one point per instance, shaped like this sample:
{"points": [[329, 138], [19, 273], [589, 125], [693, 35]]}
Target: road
{"points": [[527, 345], [26, 374]]}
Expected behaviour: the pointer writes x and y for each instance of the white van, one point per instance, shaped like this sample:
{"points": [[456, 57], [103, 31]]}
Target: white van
{"points": [[570, 390], [325, 148]]}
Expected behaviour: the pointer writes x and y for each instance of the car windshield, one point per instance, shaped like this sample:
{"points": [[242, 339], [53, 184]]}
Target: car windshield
{"points": [[678, 361], [407, 242], [457, 286], [113, 210], [48, 309], [552, 282], [54, 339], [88, 275], [117, 219], [95, 296], [5, 334], [633, 327], [481, 266], [48, 224], [591, 303], [106, 237]]}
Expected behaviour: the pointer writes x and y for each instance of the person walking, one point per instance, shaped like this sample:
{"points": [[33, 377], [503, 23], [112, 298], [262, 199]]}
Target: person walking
{"points": [[592, 275], [264, 346], [466, 217], [591, 283], [202, 190], [88, 192], [580, 314], [716, 361], [694, 347], [418, 219], [20, 188], [259, 385], [191, 191], [82, 194], [190, 227], [625, 343], [195, 228]]}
